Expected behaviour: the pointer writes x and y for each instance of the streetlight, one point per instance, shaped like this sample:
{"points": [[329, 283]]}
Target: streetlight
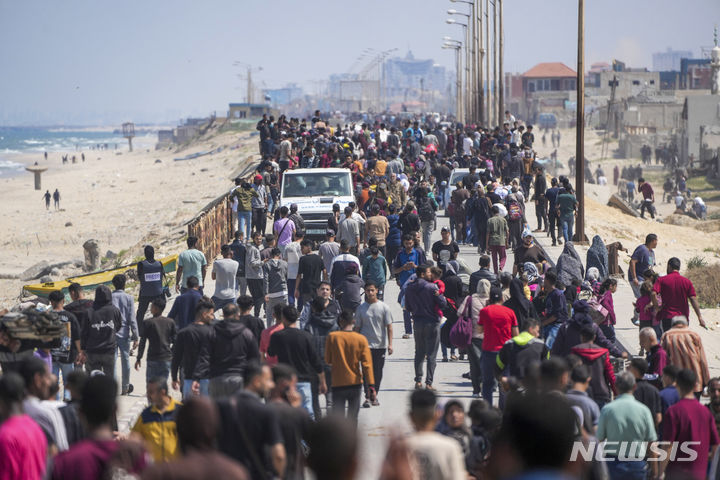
{"points": [[452, 21], [456, 45]]}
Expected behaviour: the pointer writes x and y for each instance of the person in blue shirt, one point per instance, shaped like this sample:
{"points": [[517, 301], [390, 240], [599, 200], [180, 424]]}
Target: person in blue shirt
{"points": [[553, 220], [403, 268], [183, 309]]}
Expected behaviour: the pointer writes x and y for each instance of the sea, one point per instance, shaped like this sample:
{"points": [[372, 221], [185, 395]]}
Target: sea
{"points": [[37, 140]]}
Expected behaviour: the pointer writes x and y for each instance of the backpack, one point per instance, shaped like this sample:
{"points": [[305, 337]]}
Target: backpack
{"points": [[426, 210], [514, 212], [461, 333], [597, 312]]}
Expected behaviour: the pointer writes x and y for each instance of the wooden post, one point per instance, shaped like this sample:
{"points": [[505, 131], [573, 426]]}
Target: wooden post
{"points": [[495, 66], [480, 57], [580, 128], [488, 98]]}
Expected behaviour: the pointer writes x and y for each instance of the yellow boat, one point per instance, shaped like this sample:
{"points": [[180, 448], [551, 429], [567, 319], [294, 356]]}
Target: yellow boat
{"points": [[91, 280]]}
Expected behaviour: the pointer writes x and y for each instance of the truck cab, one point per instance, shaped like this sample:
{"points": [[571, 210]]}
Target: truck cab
{"points": [[315, 191]]}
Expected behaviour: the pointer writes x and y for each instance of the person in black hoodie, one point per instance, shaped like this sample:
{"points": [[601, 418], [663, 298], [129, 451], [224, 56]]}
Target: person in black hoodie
{"points": [[518, 303], [350, 289], [97, 337], [231, 347], [569, 333], [80, 306]]}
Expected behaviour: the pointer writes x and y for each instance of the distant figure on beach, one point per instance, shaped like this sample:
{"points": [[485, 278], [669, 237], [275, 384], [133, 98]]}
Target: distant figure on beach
{"points": [[47, 198], [46, 156], [56, 199], [64, 159], [74, 160], [82, 155]]}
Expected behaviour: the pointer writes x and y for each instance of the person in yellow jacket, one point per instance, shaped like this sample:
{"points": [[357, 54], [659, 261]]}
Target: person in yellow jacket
{"points": [[156, 424]]}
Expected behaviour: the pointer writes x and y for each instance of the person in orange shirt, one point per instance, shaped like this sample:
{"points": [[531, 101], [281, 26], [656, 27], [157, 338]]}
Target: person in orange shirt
{"points": [[345, 352]]}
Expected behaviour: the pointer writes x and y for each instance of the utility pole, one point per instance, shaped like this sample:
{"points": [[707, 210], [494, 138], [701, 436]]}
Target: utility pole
{"points": [[495, 64], [488, 99], [249, 85], [501, 74], [480, 54], [472, 98], [458, 82], [580, 128]]}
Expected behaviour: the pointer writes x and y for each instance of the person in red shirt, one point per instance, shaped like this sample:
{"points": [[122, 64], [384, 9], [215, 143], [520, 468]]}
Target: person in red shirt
{"points": [[675, 291], [648, 198], [23, 446], [498, 324], [688, 421], [267, 333]]}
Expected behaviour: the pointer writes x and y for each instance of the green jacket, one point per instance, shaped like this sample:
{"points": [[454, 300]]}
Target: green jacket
{"points": [[244, 197], [497, 229]]}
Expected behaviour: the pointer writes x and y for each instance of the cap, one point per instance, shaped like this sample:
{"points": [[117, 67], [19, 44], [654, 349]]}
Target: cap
{"points": [[495, 294], [330, 232], [526, 233], [258, 177], [445, 229]]}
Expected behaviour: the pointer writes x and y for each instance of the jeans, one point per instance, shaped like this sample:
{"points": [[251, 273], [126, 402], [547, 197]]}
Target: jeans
{"points": [[65, 369], [474, 357], [255, 285], [187, 388], [104, 362], [305, 391], [627, 470], [647, 205], [259, 220], [609, 332], [348, 395], [123, 346], [291, 291], [225, 385], [427, 342], [498, 257], [549, 333], [221, 302], [407, 321], [554, 222], [244, 223], [270, 306], [487, 364], [567, 222], [157, 369], [427, 229]]}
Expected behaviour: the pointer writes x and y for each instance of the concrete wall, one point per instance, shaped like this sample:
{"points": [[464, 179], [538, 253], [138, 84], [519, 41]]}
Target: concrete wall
{"points": [[702, 111], [629, 84]]}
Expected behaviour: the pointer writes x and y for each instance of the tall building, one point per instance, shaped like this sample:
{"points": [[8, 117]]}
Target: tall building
{"points": [[669, 60], [408, 77]]}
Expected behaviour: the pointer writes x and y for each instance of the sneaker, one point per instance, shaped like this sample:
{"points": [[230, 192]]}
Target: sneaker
{"points": [[375, 403], [635, 321], [466, 375], [462, 356], [554, 244], [453, 358], [429, 386], [128, 390], [476, 395], [366, 404], [445, 359], [418, 386], [405, 336]]}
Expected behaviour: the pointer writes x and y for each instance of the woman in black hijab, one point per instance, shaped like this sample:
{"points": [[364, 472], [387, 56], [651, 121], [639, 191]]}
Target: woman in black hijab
{"points": [[519, 303]]}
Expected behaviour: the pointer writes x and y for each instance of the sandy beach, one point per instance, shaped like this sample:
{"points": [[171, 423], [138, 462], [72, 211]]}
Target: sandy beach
{"points": [[121, 199]]}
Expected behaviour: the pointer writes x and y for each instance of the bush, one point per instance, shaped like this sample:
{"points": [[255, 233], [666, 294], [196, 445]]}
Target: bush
{"points": [[696, 262], [706, 280]]}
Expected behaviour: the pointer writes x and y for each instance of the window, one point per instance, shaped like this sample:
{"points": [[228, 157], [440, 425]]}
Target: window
{"points": [[652, 82], [636, 82]]}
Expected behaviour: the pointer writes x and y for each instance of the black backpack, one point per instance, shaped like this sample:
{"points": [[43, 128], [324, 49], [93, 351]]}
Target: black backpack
{"points": [[426, 210]]}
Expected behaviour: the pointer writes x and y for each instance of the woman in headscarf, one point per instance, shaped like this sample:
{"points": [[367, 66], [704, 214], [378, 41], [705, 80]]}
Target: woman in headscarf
{"points": [[597, 257], [470, 307], [569, 266], [519, 303], [453, 294]]}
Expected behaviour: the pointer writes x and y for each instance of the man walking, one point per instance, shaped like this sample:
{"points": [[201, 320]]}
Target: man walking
{"points": [[311, 270], [254, 271], [422, 299], [345, 352], [183, 309], [150, 272], [349, 230], [98, 336], [64, 357], [685, 350], [191, 263], [497, 238], [498, 324], [190, 351], [328, 250], [224, 272], [642, 260], [648, 198], [275, 283], [128, 331], [374, 321], [675, 291], [159, 333], [566, 207], [239, 252], [259, 205]]}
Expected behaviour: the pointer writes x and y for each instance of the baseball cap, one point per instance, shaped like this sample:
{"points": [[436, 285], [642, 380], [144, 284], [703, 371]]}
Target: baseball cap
{"points": [[495, 294], [258, 177], [330, 232], [526, 233], [445, 229]]}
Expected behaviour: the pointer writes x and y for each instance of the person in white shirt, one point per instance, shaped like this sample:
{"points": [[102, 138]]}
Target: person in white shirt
{"points": [[433, 455], [224, 272], [292, 255], [509, 117]]}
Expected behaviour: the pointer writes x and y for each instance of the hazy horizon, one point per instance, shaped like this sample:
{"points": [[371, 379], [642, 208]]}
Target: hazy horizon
{"points": [[93, 63]]}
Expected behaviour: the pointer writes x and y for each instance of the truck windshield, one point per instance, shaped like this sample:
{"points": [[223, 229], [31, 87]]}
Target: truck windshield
{"points": [[336, 184]]}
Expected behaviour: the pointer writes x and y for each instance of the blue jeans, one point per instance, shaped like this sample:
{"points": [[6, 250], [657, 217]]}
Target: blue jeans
{"points": [[244, 223], [567, 222], [427, 342], [627, 470], [220, 303], [549, 333], [487, 365], [65, 368], [187, 387], [305, 390], [123, 346], [157, 369], [291, 291]]}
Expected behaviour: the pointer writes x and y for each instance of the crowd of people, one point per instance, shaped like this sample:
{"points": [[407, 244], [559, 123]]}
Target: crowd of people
{"points": [[275, 382]]}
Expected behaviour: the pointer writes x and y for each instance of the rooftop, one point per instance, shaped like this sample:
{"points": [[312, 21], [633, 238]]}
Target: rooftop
{"points": [[550, 70]]}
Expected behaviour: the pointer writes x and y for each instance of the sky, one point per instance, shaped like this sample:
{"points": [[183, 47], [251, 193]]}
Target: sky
{"points": [[88, 62]]}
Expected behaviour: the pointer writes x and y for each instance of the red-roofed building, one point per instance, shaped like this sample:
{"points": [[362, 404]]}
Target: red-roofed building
{"points": [[549, 77]]}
